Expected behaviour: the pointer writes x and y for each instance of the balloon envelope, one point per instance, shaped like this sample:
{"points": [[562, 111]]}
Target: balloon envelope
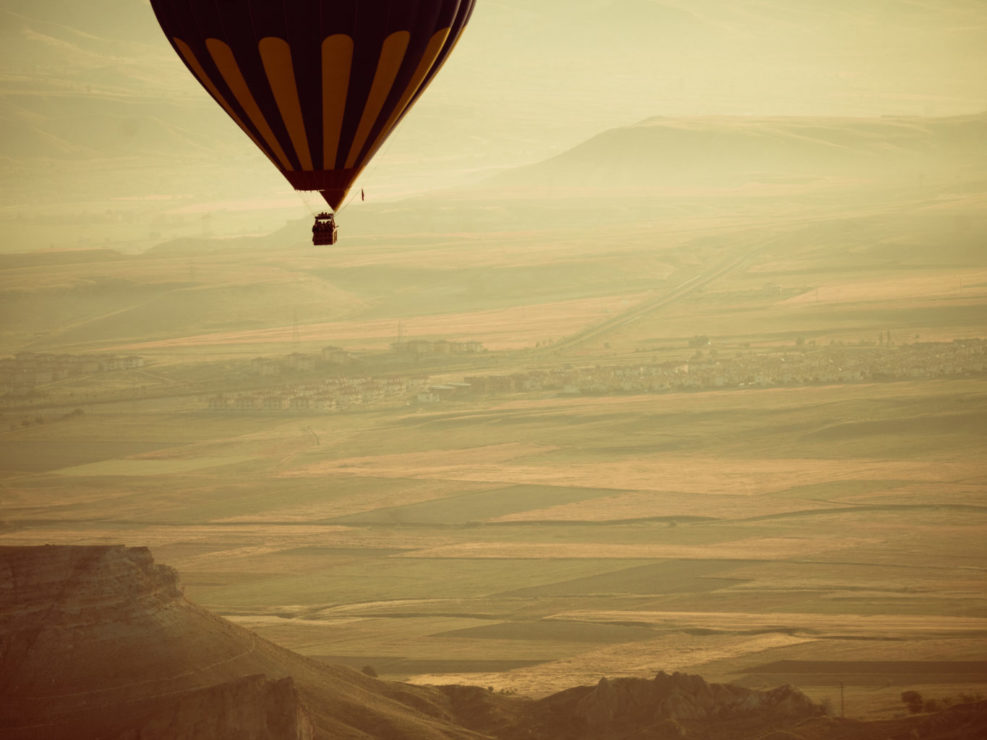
{"points": [[318, 85]]}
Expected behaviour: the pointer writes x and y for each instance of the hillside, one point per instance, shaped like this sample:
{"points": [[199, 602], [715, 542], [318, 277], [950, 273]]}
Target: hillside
{"points": [[634, 211], [88, 628], [733, 151], [100, 642]]}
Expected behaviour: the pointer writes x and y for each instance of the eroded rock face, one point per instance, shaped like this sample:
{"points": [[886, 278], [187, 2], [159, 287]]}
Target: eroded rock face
{"points": [[76, 615], [252, 708], [633, 702], [73, 586], [962, 722], [100, 642]]}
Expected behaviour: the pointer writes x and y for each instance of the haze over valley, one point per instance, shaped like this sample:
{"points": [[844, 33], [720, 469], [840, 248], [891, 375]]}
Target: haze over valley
{"points": [[658, 345]]}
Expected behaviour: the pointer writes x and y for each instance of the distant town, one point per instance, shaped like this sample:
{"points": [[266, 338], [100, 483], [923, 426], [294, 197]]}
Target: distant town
{"points": [[413, 373], [707, 369], [22, 373]]}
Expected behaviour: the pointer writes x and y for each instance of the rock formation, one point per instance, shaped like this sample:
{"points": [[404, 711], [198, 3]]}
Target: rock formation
{"points": [[100, 642], [676, 697], [664, 707], [962, 722], [251, 708]]}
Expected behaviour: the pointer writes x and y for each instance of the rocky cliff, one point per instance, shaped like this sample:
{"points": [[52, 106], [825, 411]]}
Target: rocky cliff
{"points": [[667, 706], [100, 642], [251, 708], [674, 697], [671, 707]]}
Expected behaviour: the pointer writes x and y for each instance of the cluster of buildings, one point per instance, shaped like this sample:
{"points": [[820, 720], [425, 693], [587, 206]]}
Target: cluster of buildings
{"points": [[20, 374], [707, 370], [334, 358], [438, 347], [334, 394], [329, 357]]}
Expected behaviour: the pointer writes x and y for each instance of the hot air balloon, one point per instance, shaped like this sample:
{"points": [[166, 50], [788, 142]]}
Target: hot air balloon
{"points": [[318, 85]]}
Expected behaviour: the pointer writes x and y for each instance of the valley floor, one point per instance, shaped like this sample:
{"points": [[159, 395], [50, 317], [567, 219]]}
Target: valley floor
{"points": [[715, 481]]}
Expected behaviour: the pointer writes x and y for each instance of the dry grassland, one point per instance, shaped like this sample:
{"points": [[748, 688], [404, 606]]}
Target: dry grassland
{"points": [[858, 625], [137, 467], [384, 495], [674, 652], [755, 548], [448, 252], [508, 464], [500, 329], [567, 537], [963, 287], [668, 505]]}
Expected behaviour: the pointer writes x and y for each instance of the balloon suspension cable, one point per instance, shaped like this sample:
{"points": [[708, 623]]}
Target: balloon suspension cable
{"points": [[349, 200], [313, 210]]}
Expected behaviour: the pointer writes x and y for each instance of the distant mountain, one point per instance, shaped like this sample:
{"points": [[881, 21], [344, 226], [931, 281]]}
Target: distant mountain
{"points": [[730, 151], [88, 82], [98, 114]]}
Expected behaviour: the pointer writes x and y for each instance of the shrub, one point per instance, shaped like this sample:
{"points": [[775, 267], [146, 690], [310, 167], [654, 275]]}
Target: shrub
{"points": [[912, 700]]}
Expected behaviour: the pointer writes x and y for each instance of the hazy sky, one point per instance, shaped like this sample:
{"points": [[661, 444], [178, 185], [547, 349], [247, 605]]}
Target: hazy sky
{"points": [[97, 82], [549, 73]]}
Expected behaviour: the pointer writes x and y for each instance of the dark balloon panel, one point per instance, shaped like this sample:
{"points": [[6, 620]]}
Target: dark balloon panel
{"points": [[318, 85]]}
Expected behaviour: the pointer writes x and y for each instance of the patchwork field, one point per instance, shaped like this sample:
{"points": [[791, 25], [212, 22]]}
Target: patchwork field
{"points": [[532, 554], [823, 529]]}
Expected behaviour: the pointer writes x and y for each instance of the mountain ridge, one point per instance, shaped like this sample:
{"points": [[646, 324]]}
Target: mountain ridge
{"points": [[664, 151]]}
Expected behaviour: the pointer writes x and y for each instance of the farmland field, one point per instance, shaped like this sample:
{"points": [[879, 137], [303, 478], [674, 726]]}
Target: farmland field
{"points": [[640, 496]]}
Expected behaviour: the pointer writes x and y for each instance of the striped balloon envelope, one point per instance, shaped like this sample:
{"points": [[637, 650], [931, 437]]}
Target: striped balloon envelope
{"points": [[318, 85]]}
